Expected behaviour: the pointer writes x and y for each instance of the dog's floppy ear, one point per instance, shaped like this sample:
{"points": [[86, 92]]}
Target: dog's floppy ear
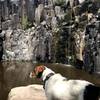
{"points": [[39, 70]]}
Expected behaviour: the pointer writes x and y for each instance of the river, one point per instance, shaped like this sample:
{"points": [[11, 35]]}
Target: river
{"points": [[14, 74]]}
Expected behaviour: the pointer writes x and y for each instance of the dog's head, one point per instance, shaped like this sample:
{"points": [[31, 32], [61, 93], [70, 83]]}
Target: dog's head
{"points": [[37, 72]]}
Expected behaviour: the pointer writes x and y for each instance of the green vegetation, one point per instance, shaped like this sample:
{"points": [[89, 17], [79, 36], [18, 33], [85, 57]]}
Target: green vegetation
{"points": [[24, 22]]}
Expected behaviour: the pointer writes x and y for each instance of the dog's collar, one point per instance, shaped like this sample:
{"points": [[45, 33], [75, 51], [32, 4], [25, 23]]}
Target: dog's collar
{"points": [[47, 77]]}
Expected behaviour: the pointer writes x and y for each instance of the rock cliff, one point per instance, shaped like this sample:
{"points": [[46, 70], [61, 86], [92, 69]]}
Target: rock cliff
{"points": [[56, 31]]}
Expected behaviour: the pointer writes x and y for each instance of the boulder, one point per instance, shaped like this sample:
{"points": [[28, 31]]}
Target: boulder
{"points": [[31, 92]]}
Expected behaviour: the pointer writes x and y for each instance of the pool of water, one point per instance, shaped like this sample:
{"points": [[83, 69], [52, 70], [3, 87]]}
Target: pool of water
{"points": [[14, 74]]}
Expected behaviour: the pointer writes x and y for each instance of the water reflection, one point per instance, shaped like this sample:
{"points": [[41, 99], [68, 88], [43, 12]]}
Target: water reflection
{"points": [[3, 92], [13, 74]]}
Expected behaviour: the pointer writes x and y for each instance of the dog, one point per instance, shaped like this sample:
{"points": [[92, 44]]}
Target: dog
{"points": [[58, 87]]}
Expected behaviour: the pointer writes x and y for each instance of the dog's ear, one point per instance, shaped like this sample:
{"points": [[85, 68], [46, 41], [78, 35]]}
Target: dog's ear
{"points": [[39, 70]]}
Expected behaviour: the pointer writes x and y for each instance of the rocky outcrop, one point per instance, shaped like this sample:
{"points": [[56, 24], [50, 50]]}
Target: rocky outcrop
{"points": [[92, 46], [26, 44], [55, 34], [31, 92], [39, 13]]}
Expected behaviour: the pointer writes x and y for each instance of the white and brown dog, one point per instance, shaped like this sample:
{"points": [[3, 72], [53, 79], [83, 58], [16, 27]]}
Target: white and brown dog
{"points": [[58, 87]]}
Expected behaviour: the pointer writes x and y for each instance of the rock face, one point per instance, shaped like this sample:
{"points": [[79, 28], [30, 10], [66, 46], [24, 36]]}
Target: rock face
{"points": [[28, 44], [31, 92], [92, 46], [39, 13], [49, 36]]}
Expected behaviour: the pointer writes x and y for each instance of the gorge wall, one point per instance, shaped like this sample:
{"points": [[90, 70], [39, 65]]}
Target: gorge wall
{"points": [[59, 31]]}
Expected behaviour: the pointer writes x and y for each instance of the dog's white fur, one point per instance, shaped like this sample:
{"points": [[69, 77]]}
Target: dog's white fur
{"points": [[58, 87]]}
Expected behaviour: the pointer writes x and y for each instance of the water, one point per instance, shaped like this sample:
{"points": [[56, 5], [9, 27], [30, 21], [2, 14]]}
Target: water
{"points": [[13, 74]]}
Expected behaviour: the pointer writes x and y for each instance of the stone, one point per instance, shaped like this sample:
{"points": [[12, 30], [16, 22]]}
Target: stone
{"points": [[6, 24], [39, 13], [83, 17], [79, 44], [59, 2], [59, 12], [31, 92], [81, 1], [48, 23], [54, 22], [92, 48], [26, 44], [76, 10]]}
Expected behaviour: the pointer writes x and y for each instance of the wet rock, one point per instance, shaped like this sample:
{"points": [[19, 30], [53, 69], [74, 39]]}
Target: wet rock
{"points": [[31, 92]]}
